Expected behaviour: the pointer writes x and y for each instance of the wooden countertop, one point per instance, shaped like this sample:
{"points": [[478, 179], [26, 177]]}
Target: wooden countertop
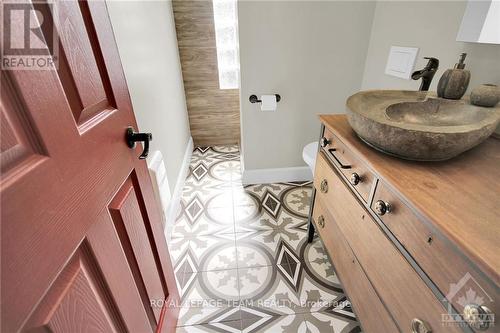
{"points": [[460, 197]]}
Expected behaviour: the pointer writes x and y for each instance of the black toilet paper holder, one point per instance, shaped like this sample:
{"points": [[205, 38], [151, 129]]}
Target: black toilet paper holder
{"points": [[255, 99]]}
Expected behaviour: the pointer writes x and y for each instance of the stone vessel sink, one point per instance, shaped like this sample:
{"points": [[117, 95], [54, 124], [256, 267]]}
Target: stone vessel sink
{"points": [[417, 125]]}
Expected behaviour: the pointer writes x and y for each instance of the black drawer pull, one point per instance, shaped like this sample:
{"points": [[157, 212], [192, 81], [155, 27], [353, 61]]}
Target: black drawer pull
{"points": [[342, 166]]}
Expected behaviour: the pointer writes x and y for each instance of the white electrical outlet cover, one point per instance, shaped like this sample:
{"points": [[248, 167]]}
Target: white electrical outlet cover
{"points": [[401, 61]]}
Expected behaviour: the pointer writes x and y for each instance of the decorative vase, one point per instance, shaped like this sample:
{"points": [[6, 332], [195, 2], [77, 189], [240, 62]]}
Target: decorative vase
{"points": [[454, 82], [487, 95]]}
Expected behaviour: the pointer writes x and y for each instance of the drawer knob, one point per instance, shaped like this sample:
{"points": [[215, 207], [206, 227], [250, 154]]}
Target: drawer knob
{"points": [[324, 142], [323, 187], [355, 179], [321, 221], [478, 317], [382, 207], [420, 326]]}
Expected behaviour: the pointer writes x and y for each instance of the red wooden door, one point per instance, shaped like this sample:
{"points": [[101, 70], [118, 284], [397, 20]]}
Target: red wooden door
{"points": [[82, 247]]}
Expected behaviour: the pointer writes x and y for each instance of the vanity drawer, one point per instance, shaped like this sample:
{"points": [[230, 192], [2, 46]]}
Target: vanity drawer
{"points": [[372, 314], [355, 172], [398, 285], [441, 260]]}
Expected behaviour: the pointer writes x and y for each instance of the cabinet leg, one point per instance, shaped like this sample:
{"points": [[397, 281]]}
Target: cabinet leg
{"points": [[310, 227], [310, 232]]}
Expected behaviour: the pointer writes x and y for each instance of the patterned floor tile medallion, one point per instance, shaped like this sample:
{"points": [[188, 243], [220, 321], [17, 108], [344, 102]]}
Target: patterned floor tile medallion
{"points": [[241, 257]]}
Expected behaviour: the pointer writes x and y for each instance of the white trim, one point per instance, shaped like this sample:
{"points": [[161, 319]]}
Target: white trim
{"points": [[158, 175], [279, 175], [175, 201]]}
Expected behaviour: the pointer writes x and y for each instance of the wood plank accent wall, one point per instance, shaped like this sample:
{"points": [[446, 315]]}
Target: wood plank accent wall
{"points": [[214, 114]]}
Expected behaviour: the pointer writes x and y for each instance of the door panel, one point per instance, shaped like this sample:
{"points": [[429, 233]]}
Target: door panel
{"points": [[128, 219], [84, 77], [109, 252], [18, 140], [67, 176], [78, 301]]}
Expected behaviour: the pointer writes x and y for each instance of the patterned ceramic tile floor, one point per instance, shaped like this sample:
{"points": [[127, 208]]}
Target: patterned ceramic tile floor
{"points": [[241, 257]]}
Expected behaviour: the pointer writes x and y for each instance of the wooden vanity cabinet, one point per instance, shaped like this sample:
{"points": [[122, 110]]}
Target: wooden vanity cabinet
{"points": [[406, 296], [441, 261], [402, 270], [369, 308]]}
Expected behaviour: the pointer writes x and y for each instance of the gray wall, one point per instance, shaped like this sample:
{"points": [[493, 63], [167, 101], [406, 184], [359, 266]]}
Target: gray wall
{"points": [[145, 34], [310, 52], [433, 27]]}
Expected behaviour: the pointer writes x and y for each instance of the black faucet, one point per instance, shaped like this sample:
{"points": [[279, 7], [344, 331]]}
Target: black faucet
{"points": [[426, 74]]}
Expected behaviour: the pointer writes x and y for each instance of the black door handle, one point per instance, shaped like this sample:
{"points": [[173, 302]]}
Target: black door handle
{"points": [[133, 137]]}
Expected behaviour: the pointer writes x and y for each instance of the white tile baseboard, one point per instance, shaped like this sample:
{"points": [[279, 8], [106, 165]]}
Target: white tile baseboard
{"points": [[173, 207]]}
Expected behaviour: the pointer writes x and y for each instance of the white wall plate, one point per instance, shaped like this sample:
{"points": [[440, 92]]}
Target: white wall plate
{"points": [[401, 61]]}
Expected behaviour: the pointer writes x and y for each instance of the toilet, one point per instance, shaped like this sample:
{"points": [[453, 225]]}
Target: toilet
{"points": [[309, 154]]}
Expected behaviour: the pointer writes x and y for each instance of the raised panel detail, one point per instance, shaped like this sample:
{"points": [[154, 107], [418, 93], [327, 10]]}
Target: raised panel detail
{"points": [[78, 301], [129, 221], [18, 137], [81, 67]]}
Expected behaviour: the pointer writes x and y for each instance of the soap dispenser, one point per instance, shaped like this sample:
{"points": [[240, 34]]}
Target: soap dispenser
{"points": [[454, 82]]}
